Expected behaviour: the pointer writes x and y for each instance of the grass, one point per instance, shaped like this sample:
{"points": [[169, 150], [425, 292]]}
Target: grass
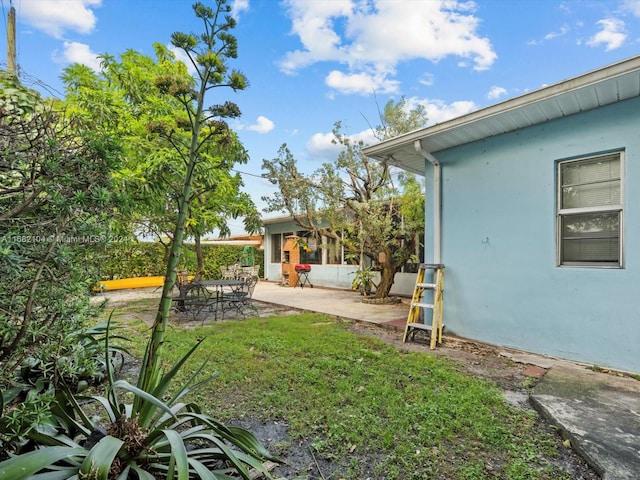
{"points": [[361, 404]]}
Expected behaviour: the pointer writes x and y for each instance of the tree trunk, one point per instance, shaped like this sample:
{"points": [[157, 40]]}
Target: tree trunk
{"points": [[387, 274], [199, 256]]}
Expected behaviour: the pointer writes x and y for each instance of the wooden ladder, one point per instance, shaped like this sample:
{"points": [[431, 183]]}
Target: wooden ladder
{"points": [[417, 302]]}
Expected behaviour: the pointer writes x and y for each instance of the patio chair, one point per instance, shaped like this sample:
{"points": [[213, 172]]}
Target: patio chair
{"points": [[228, 273], [193, 299], [240, 299]]}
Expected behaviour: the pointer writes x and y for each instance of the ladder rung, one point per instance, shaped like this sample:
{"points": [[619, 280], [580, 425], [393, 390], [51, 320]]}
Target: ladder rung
{"points": [[421, 326], [422, 305], [431, 266], [426, 285]]}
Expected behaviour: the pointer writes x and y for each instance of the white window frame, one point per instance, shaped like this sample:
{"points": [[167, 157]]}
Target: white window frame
{"points": [[566, 212]]}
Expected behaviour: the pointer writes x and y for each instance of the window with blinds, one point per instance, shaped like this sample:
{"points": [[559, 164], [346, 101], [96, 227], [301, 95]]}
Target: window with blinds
{"points": [[590, 211]]}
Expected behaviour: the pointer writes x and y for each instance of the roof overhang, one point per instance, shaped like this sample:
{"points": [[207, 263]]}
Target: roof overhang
{"points": [[250, 243], [608, 85]]}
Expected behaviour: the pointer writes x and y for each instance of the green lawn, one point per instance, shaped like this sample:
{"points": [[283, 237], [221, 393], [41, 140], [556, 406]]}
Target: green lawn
{"points": [[361, 404]]}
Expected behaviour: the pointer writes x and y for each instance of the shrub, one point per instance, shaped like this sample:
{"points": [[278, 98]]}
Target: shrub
{"points": [[77, 362], [139, 259]]}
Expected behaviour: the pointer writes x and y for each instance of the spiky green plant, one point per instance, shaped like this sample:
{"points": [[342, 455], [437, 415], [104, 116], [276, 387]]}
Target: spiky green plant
{"points": [[154, 436]]}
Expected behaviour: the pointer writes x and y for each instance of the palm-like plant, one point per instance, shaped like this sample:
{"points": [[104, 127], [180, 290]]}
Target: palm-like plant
{"points": [[155, 436]]}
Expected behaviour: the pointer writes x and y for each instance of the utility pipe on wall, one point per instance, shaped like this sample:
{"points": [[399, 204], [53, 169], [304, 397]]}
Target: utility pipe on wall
{"points": [[437, 181]]}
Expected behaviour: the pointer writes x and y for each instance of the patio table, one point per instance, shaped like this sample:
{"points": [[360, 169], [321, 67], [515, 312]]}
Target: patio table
{"points": [[232, 294], [196, 300]]}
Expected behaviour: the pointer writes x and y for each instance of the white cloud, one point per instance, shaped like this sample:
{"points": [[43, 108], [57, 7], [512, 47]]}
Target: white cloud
{"points": [[362, 83], [321, 145], [263, 125], [427, 79], [563, 31], [496, 92], [551, 36], [180, 55], [633, 6], [377, 35], [76, 52], [612, 34], [439, 111], [239, 6], [54, 17]]}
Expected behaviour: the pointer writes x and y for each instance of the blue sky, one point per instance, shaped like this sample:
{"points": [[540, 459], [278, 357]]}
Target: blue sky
{"points": [[311, 63]]}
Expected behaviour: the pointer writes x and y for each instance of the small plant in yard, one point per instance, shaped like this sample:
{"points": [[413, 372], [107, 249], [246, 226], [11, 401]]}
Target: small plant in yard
{"points": [[79, 361], [363, 281]]}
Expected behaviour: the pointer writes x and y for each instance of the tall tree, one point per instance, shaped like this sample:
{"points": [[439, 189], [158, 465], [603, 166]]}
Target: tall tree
{"points": [[356, 200], [209, 54], [180, 152], [122, 99]]}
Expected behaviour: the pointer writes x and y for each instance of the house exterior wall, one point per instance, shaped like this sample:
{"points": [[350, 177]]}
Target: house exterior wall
{"points": [[502, 284]]}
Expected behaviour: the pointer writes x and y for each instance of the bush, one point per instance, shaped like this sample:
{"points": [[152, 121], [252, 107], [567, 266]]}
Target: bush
{"points": [[56, 198], [155, 436], [141, 259]]}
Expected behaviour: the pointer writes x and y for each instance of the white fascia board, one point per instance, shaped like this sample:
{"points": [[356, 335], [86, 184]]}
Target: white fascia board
{"points": [[591, 79]]}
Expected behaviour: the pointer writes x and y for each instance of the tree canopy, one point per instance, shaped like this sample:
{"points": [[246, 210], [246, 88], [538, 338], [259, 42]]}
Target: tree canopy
{"points": [[145, 102]]}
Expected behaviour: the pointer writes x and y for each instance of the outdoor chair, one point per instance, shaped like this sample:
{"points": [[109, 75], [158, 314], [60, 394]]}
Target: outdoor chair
{"points": [[240, 300], [194, 300], [228, 273]]}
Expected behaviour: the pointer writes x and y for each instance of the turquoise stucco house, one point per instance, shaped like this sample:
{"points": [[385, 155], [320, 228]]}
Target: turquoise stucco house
{"points": [[533, 206]]}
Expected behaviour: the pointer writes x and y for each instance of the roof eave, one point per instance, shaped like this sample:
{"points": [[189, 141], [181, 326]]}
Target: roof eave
{"points": [[382, 150]]}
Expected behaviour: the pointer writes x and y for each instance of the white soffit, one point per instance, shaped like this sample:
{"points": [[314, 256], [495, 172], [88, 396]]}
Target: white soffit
{"points": [[601, 87]]}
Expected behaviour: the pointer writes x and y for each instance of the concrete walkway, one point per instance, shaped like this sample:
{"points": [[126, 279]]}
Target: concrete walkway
{"points": [[599, 413]]}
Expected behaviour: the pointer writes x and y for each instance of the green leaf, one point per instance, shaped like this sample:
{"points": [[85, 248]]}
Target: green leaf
{"points": [[64, 474], [98, 462], [29, 463], [228, 454], [203, 472], [178, 453], [142, 474], [108, 407], [146, 397], [166, 379], [124, 475]]}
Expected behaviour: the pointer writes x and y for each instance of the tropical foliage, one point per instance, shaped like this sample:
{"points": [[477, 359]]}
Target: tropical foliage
{"points": [[154, 436], [144, 431], [55, 198], [156, 126]]}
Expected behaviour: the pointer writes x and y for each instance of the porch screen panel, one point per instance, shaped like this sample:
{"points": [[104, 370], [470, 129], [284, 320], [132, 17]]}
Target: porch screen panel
{"points": [[276, 248]]}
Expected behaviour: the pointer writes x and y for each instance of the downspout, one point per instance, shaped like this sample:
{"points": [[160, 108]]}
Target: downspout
{"points": [[437, 201]]}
